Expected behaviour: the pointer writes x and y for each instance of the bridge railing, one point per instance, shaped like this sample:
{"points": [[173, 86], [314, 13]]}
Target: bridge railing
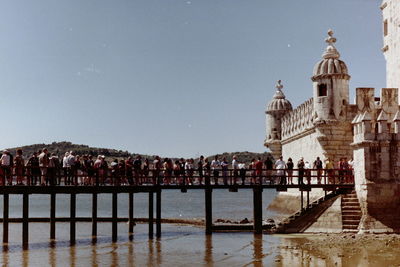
{"points": [[149, 177]]}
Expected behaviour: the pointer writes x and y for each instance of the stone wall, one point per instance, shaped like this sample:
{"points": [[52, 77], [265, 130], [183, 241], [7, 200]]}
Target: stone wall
{"points": [[391, 41], [330, 221], [298, 120]]}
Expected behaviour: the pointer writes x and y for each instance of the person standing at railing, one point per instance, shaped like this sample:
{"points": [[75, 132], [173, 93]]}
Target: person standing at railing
{"points": [[269, 165], [137, 169], [215, 165], [300, 167], [6, 161], [19, 164], [329, 171], [177, 172], [168, 167], [200, 164], [350, 174], [156, 170], [252, 169], [43, 164], [318, 166], [224, 170], [259, 169], [235, 167], [66, 167], [72, 179], [290, 166], [207, 171], [242, 172], [52, 169], [280, 166], [307, 171], [33, 170], [189, 168], [129, 170], [146, 171]]}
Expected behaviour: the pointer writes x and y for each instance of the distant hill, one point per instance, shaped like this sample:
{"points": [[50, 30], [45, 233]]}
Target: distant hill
{"points": [[61, 147], [245, 156]]}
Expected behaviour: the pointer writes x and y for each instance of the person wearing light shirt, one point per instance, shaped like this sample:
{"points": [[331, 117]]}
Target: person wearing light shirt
{"points": [[215, 165], [280, 165], [235, 166]]}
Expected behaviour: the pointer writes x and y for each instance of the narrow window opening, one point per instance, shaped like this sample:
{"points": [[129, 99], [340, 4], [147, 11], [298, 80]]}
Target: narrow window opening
{"points": [[385, 28], [322, 90]]}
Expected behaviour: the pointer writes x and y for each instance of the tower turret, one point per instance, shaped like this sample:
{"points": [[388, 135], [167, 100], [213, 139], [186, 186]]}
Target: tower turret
{"points": [[278, 107], [330, 84]]}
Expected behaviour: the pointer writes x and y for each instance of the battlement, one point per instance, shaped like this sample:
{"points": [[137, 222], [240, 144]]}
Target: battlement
{"points": [[298, 120], [377, 117]]}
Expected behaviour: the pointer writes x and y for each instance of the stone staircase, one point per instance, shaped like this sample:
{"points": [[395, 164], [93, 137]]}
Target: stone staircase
{"points": [[351, 212], [299, 220]]}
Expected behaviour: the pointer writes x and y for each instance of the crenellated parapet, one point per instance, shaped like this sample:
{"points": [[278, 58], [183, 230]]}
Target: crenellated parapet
{"points": [[298, 120], [376, 144]]}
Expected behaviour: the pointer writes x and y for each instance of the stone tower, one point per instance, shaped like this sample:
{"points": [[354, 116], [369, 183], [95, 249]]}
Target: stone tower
{"points": [[330, 85], [391, 41], [278, 107]]}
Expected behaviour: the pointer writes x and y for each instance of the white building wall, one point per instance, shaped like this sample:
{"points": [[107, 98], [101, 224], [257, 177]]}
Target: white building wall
{"points": [[391, 42]]}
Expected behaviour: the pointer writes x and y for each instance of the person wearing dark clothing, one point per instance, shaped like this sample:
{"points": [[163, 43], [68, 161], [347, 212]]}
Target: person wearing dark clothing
{"points": [[300, 167]]}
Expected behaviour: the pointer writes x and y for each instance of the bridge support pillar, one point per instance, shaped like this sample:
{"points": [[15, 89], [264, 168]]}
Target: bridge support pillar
{"points": [[257, 208], [72, 224], [208, 204], [94, 218], [114, 217], [131, 222], [5, 217], [151, 214], [158, 213], [25, 220], [52, 216]]}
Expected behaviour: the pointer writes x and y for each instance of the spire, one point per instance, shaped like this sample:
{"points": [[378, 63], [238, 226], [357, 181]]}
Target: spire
{"points": [[330, 51], [279, 94]]}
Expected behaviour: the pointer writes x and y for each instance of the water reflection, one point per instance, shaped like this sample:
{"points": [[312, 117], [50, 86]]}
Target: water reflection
{"points": [[94, 256], [52, 256], [208, 253], [258, 250], [114, 255], [25, 258], [159, 251], [72, 252], [150, 256]]}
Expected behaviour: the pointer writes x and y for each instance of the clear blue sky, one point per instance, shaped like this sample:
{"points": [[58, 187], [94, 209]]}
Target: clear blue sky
{"points": [[170, 77]]}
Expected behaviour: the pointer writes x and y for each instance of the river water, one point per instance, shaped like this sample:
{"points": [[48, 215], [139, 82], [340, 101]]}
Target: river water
{"points": [[181, 245]]}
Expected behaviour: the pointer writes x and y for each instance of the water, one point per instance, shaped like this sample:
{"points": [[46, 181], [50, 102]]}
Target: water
{"points": [[182, 245]]}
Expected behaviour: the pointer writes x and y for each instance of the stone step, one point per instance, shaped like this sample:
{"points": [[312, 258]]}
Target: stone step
{"points": [[351, 205], [350, 231], [350, 226], [352, 222], [345, 199], [351, 217], [351, 212]]}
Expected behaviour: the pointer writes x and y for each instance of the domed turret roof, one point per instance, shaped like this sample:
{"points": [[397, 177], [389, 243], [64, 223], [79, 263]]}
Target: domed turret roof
{"points": [[330, 65], [279, 101]]}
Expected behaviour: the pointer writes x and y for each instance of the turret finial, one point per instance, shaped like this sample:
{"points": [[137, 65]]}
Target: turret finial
{"points": [[330, 51], [279, 85], [330, 39]]}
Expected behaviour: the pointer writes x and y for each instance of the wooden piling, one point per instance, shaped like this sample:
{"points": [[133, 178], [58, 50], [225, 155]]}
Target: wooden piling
{"points": [[208, 206], [301, 199], [308, 198], [151, 214], [52, 216], [114, 217], [25, 220], [158, 213], [72, 226], [5, 217], [94, 217], [131, 222], [257, 208]]}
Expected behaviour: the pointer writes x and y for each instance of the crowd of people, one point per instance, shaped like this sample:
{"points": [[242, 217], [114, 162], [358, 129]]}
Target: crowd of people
{"points": [[44, 168]]}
